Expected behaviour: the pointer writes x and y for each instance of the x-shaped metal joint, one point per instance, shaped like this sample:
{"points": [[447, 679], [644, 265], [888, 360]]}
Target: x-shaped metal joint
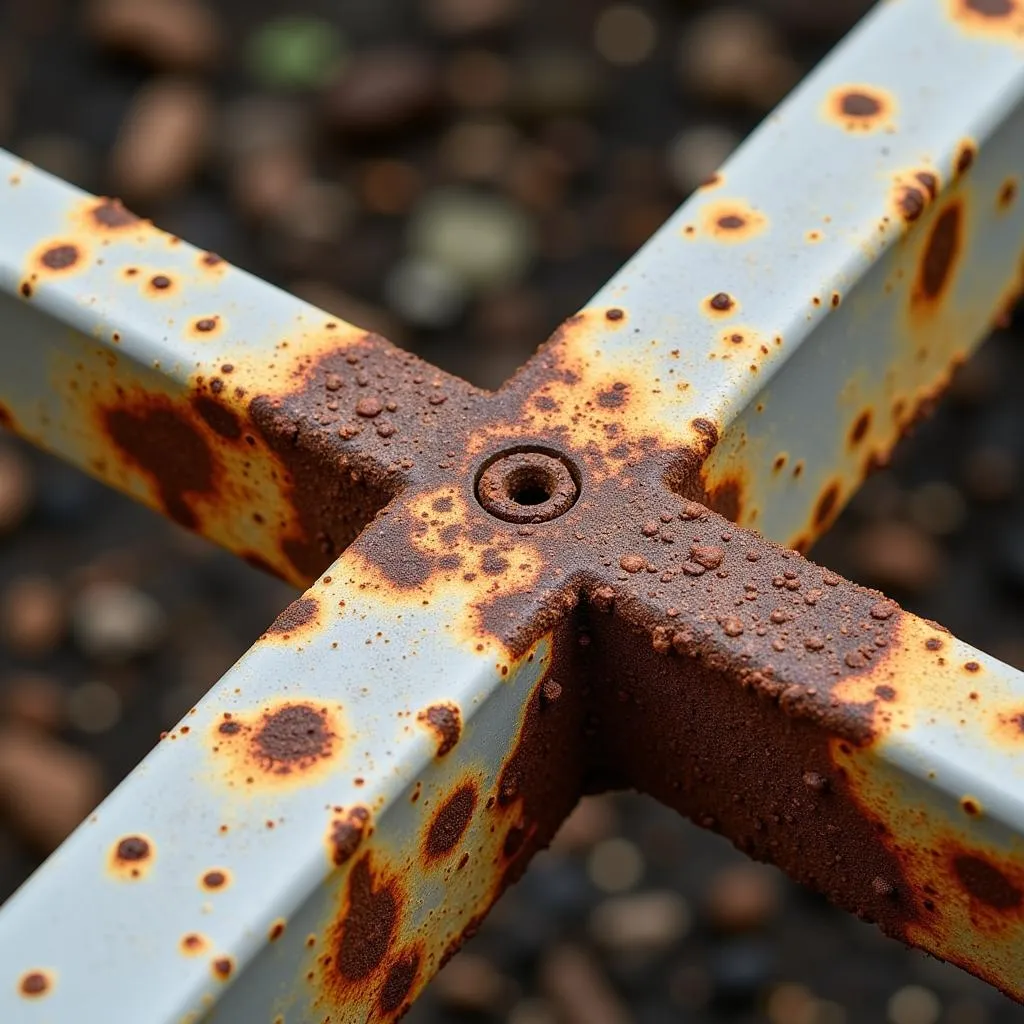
{"points": [[515, 598]]}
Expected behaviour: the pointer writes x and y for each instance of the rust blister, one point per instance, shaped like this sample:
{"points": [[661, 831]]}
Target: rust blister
{"points": [[131, 857], [859, 107]]}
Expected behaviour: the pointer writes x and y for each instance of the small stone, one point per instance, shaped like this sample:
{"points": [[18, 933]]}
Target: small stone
{"points": [[707, 555], [735, 55], [485, 240], [625, 34], [579, 991], [167, 35], [632, 563], [743, 898], [559, 82], [914, 1004], [592, 820], [895, 555], [477, 150], [369, 407], [382, 91], [294, 52], [114, 622], [731, 626], [94, 708], [34, 701], [162, 142], [470, 984], [426, 294], [17, 487], [46, 787], [32, 616], [470, 17], [649, 922], [615, 865], [991, 473], [695, 154]]}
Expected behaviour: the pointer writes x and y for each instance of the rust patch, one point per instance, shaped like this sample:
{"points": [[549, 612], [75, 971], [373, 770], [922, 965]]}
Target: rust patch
{"points": [[860, 428], [986, 883], [289, 743], [218, 417], [132, 857], [1002, 19], [941, 250], [164, 444], [111, 215], [36, 984], [347, 832], [446, 722], [726, 498], [860, 108], [827, 506], [399, 983], [450, 822], [360, 941], [299, 614], [59, 258]]}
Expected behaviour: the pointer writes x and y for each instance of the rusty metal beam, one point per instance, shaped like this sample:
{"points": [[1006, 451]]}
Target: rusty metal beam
{"points": [[534, 559]]}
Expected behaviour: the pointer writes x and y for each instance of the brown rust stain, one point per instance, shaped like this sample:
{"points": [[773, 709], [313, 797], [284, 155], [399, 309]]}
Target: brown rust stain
{"points": [[1000, 19], [966, 153], [445, 721], [399, 982], [860, 428], [218, 416], [732, 221], [939, 256], [827, 506], [277, 929], [215, 879], [721, 304], [222, 967], [1007, 194], [860, 108], [290, 742], [726, 498], [56, 258], [193, 944], [300, 614], [36, 984], [109, 215], [348, 829], [450, 821], [131, 857], [205, 328]]}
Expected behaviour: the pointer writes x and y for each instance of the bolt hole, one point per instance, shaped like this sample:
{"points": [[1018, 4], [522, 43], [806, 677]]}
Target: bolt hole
{"points": [[529, 487]]}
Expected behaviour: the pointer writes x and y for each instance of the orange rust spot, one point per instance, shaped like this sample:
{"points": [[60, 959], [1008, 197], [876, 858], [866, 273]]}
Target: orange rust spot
{"points": [[222, 967], [446, 722], [860, 428], [943, 246], [827, 505], [965, 154], [131, 857], [277, 929], [450, 822], [193, 944], [1001, 18], [860, 108], [294, 618], [215, 879], [36, 984], [1007, 194], [60, 257], [111, 215], [287, 743], [721, 304], [347, 833], [814, 236], [970, 806], [732, 220]]}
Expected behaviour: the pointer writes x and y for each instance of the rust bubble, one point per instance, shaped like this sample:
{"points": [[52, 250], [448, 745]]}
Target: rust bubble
{"points": [[276, 930], [215, 879], [112, 214], [970, 807], [35, 984], [60, 257], [160, 283], [400, 980], [298, 614], [721, 303], [132, 856], [206, 324], [446, 722], [930, 182], [292, 738], [965, 155], [450, 822], [733, 221], [26, 289], [940, 253], [192, 944], [614, 314], [991, 8], [911, 203], [347, 834], [986, 883]]}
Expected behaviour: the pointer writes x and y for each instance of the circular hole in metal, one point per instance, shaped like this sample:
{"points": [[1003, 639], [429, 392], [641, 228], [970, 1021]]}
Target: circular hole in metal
{"points": [[527, 485]]}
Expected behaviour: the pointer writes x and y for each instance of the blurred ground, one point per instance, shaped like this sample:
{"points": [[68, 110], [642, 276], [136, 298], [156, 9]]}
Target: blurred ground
{"points": [[337, 148]]}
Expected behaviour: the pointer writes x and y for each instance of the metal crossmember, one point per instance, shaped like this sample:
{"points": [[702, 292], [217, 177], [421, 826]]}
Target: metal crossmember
{"points": [[517, 597]]}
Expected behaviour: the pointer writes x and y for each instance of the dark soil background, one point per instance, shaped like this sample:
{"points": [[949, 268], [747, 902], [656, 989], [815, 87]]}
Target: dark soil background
{"points": [[336, 148]]}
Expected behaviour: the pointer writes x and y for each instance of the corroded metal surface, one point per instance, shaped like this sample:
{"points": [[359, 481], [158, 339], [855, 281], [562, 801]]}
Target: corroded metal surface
{"points": [[532, 599]]}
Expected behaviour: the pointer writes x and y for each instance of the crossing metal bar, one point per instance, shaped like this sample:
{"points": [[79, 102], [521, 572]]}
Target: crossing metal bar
{"points": [[529, 597]]}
